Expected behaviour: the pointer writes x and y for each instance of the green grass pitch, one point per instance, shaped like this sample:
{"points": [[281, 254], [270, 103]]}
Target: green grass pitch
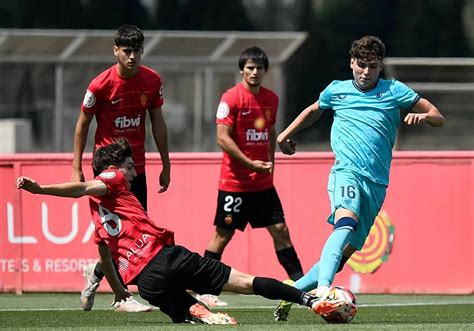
{"points": [[376, 312]]}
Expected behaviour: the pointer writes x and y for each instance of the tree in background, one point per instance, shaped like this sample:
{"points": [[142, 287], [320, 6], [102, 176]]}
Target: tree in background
{"points": [[202, 15], [424, 28], [50, 14], [429, 28]]}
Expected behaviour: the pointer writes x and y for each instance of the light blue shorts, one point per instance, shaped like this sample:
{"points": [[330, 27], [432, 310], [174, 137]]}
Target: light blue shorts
{"points": [[354, 192]]}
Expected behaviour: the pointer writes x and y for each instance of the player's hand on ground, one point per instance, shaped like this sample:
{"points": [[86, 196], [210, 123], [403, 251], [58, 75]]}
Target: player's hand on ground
{"points": [[414, 119], [288, 146], [261, 166], [77, 176], [27, 184], [124, 294], [164, 181]]}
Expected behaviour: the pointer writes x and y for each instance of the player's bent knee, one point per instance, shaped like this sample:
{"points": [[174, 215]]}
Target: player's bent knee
{"points": [[224, 234], [239, 282], [280, 233], [281, 227]]}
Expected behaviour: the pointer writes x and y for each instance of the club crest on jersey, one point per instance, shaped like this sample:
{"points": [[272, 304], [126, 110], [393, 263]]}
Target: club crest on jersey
{"points": [[268, 114], [143, 99], [379, 95], [89, 99], [259, 123]]}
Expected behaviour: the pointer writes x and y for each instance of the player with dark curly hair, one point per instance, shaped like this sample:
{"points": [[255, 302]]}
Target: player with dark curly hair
{"points": [[146, 255], [366, 117]]}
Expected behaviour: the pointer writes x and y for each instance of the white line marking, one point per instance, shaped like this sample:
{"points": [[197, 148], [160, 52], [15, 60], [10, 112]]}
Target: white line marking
{"points": [[368, 305]]}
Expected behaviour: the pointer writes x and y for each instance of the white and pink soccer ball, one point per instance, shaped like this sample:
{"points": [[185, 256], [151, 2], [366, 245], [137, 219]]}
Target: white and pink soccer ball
{"points": [[347, 311]]}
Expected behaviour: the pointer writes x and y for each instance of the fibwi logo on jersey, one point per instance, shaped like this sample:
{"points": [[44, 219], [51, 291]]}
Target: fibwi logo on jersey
{"points": [[123, 122], [254, 135], [377, 247]]}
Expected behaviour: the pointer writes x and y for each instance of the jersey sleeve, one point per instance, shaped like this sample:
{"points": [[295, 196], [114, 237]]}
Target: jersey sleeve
{"points": [[98, 240], [405, 97], [227, 110], [89, 104], [325, 96], [157, 100], [114, 180]]}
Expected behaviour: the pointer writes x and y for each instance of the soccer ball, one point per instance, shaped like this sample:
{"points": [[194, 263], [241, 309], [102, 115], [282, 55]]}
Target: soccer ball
{"points": [[348, 305]]}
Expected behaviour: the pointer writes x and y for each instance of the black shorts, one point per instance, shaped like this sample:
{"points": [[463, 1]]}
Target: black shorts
{"points": [[138, 188], [260, 209], [174, 270]]}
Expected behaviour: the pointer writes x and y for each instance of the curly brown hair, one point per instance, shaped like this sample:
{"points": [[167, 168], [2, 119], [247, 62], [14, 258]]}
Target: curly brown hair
{"points": [[111, 155], [367, 48]]}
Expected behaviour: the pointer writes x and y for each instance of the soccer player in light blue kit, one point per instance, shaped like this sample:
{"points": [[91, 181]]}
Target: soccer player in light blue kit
{"points": [[366, 118]]}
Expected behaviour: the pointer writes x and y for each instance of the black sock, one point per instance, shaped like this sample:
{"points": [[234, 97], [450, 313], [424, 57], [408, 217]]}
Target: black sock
{"points": [[273, 289], [289, 260], [212, 255], [98, 271]]}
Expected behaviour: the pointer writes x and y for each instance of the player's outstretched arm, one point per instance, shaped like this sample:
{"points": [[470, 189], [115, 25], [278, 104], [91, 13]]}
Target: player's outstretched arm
{"points": [[424, 112], [307, 117], [67, 189]]}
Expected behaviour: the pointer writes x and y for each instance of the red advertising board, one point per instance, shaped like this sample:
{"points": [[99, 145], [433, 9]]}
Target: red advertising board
{"points": [[422, 241]]}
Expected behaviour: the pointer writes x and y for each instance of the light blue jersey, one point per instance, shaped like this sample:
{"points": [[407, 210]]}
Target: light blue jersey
{"points": [[365, 124]]}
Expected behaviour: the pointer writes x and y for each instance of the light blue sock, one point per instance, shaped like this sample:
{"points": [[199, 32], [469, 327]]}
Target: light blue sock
{"points": [[332, 254], [309, 281]]}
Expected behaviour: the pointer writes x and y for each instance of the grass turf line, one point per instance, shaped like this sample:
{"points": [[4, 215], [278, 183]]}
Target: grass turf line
{"points": [[439, 313]]}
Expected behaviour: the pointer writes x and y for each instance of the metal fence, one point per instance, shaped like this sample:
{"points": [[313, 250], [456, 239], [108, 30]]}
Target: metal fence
{"points": [[46, 73], [449, 84]]}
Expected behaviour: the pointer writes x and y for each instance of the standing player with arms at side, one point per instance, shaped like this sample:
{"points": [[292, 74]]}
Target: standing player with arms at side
{"points": [[366, 118], [246, 133], [119, 98], [146, 255]]}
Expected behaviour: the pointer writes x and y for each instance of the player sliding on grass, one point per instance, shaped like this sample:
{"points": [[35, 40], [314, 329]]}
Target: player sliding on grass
{"points": [[366, 118], [146, 255], [120, 99]]}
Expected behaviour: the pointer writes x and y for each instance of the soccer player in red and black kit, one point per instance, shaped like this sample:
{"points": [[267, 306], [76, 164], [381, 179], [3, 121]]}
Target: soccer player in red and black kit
{"points": [[146, 255], [119, 98], [246, 133]]}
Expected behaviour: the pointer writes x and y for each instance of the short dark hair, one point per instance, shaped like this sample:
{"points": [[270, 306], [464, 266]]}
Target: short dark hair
{"points": [[130, 36], [256, 54], [367, 48], [112, 154]]}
